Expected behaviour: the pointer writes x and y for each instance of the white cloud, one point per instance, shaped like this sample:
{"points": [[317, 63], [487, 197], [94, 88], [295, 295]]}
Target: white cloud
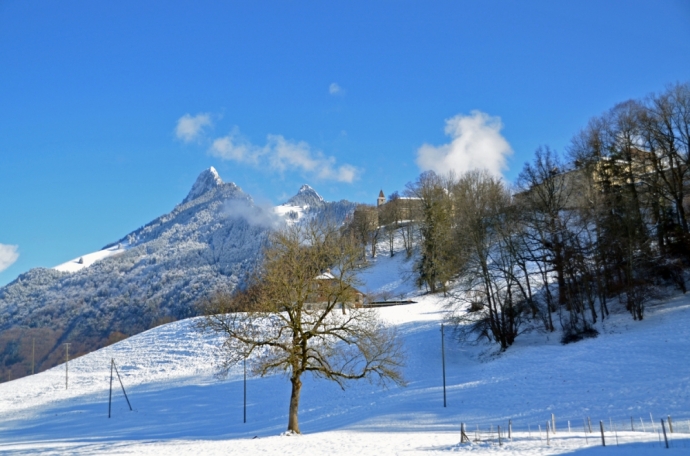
{"points": [[280, 154], [190, 127], [8, 255], [476, 143], [263, 216], [335, 89]]}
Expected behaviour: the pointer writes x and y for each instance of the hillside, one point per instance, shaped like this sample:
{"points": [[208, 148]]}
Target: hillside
{"points": [[631, 370], [150, 276]]}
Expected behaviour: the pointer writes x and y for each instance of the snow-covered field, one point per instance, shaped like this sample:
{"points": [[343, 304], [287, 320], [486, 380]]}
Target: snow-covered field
{"points": [[631, 370]]}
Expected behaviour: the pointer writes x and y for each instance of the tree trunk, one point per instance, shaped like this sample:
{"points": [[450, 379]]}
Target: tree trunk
{"points": [[293, 422]]}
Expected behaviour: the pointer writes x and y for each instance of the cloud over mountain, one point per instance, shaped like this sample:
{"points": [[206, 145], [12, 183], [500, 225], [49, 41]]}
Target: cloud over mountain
{"points": [[280, 154], [8, 255], [190, 128]]}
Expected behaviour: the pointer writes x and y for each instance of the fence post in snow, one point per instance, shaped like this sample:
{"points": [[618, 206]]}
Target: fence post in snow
{"points": [[463, 436], [498, 431], [510, 429], [548, 443], [569, 431], [651, 418], [553, 423], [601, 426], [642, 423], [590, 424], [670, 424], [615, 432], [663, 427]]}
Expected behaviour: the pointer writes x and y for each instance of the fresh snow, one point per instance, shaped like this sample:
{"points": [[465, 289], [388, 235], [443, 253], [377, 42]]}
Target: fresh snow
{"points": [[631, 370], [87, 260]]}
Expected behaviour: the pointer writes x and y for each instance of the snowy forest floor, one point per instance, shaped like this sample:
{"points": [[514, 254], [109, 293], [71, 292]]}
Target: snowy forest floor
{"points": [[633, 369]]}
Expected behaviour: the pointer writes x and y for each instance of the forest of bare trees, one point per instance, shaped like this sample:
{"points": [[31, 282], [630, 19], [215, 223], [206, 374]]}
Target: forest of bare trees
{"points": [[604, 221]]}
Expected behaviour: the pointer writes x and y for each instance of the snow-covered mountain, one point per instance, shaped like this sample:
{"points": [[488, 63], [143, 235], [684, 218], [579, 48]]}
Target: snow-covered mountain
{"points": [[154, 274], [306, 197]]}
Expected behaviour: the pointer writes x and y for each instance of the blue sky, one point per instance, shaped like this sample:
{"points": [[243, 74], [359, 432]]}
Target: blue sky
{"points": [[349, 97]]}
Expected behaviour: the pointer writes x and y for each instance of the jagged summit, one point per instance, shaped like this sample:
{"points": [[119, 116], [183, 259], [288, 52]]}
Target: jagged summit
{"points": [[207, 181], [306, 197]]}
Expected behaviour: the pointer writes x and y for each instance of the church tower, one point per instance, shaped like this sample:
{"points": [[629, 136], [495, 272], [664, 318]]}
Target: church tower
{"points": [[381, 199]]}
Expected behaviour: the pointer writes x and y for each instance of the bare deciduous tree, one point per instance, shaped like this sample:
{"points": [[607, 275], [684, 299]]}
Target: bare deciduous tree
{"points": [[292, 321]]}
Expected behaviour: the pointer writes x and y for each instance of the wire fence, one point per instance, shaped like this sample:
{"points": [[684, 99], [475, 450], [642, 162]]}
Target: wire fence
{"points": [[648, 431]]}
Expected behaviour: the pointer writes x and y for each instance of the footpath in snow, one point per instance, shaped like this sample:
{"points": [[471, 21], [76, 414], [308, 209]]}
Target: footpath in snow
{"points": [[632, 370]]}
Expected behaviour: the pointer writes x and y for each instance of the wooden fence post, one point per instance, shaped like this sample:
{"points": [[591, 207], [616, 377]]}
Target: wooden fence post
{"points": [[601, 426], [463, 436], [663, 427], [548, 443]]}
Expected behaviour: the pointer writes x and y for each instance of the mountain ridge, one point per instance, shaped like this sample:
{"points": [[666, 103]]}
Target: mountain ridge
{"points": [[209, 242]]}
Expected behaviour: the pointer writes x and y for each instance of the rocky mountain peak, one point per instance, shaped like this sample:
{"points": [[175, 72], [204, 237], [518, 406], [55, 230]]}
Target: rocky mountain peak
{"points": [[306, 197], [207, 181]]}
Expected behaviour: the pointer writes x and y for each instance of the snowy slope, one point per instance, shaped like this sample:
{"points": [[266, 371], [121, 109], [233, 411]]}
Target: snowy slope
{"points": [[87, 260], [631, 369]]}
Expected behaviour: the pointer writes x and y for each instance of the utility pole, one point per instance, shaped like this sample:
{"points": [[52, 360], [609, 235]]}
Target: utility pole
{"points": [[66, 364], [245, 390], [443, 363]]}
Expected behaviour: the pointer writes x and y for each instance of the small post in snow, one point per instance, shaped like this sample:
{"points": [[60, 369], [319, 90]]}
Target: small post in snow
{"points": [[553, 423], [670, 424], [510, 429], [499, 436], [663, 427], [463, 436], [443, 364], [615, 432], [601, 426], [589, 422], [548, 443]]}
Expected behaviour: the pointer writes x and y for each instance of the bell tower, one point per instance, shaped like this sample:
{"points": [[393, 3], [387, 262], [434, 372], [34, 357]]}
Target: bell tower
{"points": [[381, 199]]}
